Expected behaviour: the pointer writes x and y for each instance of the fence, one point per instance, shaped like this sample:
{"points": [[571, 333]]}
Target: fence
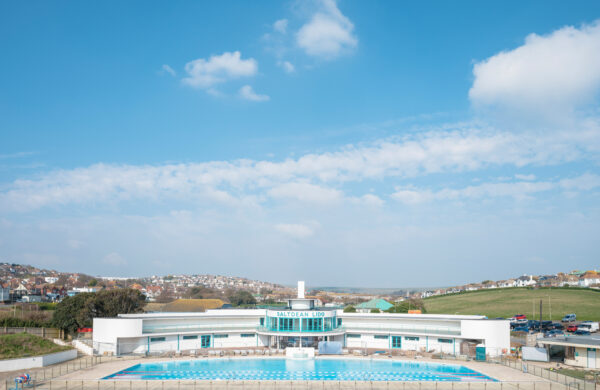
{"points": [[545, 373], [51, 333], [289, 385], [41, 377]]}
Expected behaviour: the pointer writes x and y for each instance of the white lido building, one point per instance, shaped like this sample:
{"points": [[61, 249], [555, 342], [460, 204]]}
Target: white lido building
{"points": [[299, 324]]}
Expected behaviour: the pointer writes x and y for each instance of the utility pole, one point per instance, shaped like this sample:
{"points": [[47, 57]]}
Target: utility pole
{"points": [[550, 304], [541, 314]]}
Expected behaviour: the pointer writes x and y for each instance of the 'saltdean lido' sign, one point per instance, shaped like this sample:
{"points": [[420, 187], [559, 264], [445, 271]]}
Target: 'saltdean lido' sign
{"points": [[304, 314]]}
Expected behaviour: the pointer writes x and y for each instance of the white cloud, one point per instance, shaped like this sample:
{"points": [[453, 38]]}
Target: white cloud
{"points": [[517, 190], [295, 230], [281, 26], [371, 200], [585, 182], [246, 92], [308, 177], [525, 177], [114, 259], [328, 33], [217, 69], [306, 192], [169, 70], [547, 73], [287, 66]]}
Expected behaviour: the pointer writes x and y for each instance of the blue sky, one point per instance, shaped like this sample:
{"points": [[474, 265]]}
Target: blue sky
{"points": [[345, 143]]}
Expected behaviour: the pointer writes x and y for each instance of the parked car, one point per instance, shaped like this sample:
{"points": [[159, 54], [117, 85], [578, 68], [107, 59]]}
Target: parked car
{"points": [[520, 317], [554, 333], [569, 318], [572, 328], [593, 326], [521, 329], [558, 325], [581, 332]]}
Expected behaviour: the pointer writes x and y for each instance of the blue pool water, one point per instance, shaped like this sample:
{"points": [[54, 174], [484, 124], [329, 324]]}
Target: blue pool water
{"points": [[286, 369]]}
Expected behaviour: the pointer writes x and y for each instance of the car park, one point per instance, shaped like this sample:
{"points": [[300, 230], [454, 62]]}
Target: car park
{"points": [[581, 332], [589, 326], [554, 333]]}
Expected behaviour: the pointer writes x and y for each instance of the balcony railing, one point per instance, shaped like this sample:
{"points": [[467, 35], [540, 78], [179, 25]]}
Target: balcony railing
{"points": [[179, 328], [404, 329]]}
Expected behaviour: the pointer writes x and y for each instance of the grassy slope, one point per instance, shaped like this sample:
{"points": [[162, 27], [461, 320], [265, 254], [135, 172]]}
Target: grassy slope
{"points": [[506, 302], [19, 345]]}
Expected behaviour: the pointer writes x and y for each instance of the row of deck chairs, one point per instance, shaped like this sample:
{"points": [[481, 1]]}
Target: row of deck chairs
{"points": [[234, 352]]}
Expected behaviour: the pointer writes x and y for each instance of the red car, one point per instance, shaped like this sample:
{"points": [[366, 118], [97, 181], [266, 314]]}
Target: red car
{"points": [[571, 328], [520, 317]]}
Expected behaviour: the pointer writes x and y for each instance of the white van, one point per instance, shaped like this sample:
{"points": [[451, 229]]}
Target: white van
{"points": [[589, 326]]}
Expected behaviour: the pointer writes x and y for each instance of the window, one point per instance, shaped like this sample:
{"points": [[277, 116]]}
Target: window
{"points": [[262, 322], [221, 336], [190, 337], [247, 335], [381, 337], [339, 322], [396, 341], [447, 341], [407, 338], [156, 339], [353, 336], [205, 341], [288, 324], [312, 324]]}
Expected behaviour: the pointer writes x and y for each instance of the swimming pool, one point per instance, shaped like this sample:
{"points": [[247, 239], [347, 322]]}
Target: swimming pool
{"points": [[287, 369]]}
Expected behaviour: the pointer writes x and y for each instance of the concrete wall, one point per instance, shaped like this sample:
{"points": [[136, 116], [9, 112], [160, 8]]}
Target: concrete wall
{"points": [[581, 359], [37, 361], [494, 333]]}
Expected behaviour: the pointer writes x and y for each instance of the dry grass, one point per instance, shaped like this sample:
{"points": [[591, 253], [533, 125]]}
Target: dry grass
{"points": [[19, 345]]}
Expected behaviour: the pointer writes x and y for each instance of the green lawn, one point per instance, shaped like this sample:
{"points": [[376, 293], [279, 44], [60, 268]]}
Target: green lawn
{"points": [[506, 302], [20, 345]]}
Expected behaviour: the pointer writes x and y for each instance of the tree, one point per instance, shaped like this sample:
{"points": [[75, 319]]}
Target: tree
{"points": [[240, 297], [375, 310], [71, 313], [79, 311], [349, 309], [93, 282], [405, 306]]}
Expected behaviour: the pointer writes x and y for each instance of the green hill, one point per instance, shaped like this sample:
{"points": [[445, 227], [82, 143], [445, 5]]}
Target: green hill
{"points": [[506, 302]]}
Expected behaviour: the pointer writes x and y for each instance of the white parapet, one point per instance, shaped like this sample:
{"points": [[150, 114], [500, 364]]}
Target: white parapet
{"points": [[299, 353]]}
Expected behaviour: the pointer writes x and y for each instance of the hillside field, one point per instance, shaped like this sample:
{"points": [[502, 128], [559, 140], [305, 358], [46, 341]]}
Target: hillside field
{"points": [[19, 345], [506, 302]]}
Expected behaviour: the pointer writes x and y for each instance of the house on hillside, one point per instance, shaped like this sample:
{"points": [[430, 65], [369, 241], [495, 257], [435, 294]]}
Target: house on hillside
{"points": [[590, 278], [525, 281], [376, 303], [569, 280], [194, 305], [506, 283]]}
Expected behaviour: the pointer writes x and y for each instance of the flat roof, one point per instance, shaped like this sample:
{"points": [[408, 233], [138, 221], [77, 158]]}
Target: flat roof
{"points": [[572, 341]]}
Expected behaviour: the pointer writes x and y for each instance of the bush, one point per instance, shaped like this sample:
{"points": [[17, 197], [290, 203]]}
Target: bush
{"points": [[349, 309], [375, 310]]}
